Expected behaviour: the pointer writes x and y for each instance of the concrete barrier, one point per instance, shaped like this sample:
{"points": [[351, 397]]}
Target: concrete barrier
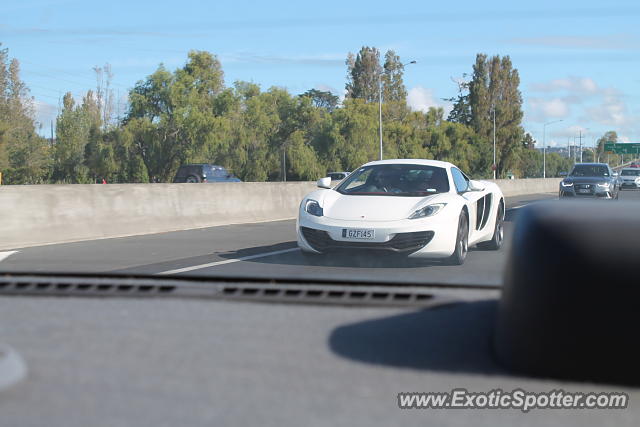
{"points": [[518, 187], [33, 215]]}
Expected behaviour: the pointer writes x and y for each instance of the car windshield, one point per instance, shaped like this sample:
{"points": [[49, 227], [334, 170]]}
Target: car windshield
{"points": [[214, 171], [396, 180], [630, 172], [590, 171]]}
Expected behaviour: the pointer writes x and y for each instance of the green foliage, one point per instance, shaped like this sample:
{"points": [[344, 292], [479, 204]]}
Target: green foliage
{"points": [[189, 116], [322, 99], [25, 157]]}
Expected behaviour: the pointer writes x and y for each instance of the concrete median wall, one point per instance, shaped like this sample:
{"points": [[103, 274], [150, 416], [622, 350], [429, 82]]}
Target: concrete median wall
{"points": [[519, 187], [34, 215]]}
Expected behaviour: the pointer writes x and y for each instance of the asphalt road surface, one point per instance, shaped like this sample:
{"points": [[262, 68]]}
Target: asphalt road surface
{"points": [[168, 362], [265, 250]]}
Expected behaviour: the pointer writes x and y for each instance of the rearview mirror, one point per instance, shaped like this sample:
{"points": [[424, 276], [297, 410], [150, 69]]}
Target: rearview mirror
{"points": [[324, 182], [475, 186]]}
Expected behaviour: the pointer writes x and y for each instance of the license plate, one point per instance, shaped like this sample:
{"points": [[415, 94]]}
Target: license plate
{"points": [[584, 191], [358, 233]]}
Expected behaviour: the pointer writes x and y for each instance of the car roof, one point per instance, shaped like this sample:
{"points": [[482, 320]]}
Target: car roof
{"points": [[424, 162], [591, 164]]}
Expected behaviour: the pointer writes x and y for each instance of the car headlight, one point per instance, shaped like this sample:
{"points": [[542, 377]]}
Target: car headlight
{"points": [[605, 185], [566, 184], [429, 210], [312, 207]]}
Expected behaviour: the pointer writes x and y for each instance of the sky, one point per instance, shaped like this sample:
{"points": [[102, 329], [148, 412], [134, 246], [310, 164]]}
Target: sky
{"points": [[578, 61]]}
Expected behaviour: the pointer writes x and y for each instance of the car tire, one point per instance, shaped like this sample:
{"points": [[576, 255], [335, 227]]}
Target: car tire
{"points": [[498, 233], [193, 179], [462, 242]]}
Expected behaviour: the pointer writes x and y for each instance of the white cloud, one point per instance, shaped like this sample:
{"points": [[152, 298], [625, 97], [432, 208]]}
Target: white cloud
{"points": [[594, 104], [554, 108], [44, 113], [611, 111], [421, 99], [572, 84]]}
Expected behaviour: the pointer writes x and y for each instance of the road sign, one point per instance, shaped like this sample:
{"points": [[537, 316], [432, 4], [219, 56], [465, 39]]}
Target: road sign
{"points": [[622, 148]]}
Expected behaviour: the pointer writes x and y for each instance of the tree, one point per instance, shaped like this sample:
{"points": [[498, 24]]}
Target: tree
{"points": [[493, 89], [172, 115], [103, 95], [528, 142], [365, 72], [73, 127], [24, 156], [322, 99], [461, 111], [393, 89], [610, 136]]}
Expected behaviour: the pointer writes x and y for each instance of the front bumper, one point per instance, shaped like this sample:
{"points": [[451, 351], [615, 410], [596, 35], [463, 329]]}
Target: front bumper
{"points": [[594, 192], [629, 184], [432, 237]]}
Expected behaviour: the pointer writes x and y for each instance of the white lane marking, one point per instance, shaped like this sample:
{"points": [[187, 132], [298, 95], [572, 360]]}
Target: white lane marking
{"points": [[5, 255], [227, 261]]}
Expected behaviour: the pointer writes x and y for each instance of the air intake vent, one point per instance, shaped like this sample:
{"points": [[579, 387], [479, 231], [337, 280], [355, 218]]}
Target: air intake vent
{"points": [[22, 286], [230, 289]]}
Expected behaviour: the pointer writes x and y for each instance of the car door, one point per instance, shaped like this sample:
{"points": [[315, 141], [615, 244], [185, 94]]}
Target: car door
{"points": [[478, 203]]}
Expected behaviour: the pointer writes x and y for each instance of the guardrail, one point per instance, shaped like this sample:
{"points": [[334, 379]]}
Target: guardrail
{"points": [[32, 215]]}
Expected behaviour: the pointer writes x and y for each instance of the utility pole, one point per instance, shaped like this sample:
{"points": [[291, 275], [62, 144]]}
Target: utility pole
{"points": [[580, 145]]}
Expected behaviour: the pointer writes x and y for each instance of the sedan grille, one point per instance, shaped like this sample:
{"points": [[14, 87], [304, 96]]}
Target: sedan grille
{"points": [[401, 242]]}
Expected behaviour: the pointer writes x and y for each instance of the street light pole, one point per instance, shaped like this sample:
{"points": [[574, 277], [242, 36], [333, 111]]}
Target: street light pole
{"points": [[544, 146], [494, 142], [380, 104], [380, 110]]}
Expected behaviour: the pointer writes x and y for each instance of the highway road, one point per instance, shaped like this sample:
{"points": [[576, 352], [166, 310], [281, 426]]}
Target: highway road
{"points": [[179, 361], [265, 250]]}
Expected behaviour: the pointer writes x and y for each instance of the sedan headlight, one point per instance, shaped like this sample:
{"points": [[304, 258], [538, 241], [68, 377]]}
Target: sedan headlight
{"points": [[566, 184], [429, 210], [604, 185], [312, 207]]}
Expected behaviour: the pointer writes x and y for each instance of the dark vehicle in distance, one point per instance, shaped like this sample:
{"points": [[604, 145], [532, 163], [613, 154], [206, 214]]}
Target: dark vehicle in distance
{"points": [[593, 180], [204, 173]]}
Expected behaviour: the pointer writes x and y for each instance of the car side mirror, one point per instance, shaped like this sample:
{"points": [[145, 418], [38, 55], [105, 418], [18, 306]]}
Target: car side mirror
{"points": [[475, 186], [324, 182]]}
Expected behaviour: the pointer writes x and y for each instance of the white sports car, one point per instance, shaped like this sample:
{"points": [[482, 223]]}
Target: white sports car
{"points": [[421, 208]]}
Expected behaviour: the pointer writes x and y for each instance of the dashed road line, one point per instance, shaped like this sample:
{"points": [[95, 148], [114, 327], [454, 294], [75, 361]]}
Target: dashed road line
{"points": [[226, 261], [6, 254]]}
